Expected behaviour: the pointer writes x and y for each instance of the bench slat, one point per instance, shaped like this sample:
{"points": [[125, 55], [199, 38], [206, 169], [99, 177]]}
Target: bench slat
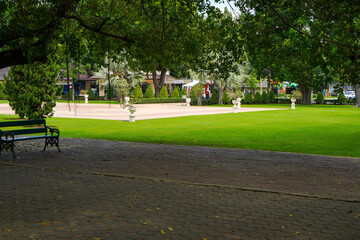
{"points": [[27, 131], [22, 123]]}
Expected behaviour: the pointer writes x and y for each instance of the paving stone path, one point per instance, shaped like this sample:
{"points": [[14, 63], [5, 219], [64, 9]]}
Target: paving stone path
{"points": [[119, 190]]}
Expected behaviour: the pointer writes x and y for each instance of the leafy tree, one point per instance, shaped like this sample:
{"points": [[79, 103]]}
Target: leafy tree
{"points": [[320, 98], [257, 98], [183, 92], [248, 98], [137, 93], [226, 98], [175, 93], [164, 92], [341, 98], [197, 91], [214, 96], [31, 90], [91, 94], [149, 93], [271, 96], [264, 97]]}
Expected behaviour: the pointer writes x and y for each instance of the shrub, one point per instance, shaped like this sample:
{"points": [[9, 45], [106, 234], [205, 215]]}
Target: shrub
{"points": [[341, 98], [149, 93], [164, 92], [156, 100], [137, 93], [271, 96], [178, 89], [197, 92], [264, 97], [257, 98], [320, 98], [248, 98], [226, 98], [214, 96], [91, 94], [175, 93], [183, 92]]}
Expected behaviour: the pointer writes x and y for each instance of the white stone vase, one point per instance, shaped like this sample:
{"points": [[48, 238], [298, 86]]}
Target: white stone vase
{"points": [[188, 101], [238, 102], [293, 100], [86, 98], [127, 99]]}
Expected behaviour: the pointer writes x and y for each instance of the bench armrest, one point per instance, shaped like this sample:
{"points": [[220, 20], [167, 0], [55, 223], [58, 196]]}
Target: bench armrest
{"points": [[7, 136], [53, 130]]}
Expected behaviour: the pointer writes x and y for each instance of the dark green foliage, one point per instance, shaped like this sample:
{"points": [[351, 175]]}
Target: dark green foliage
{"points": [[215, 96], [31, 90], [156, 100], [183, 92], [110, 92], [226, 98], [271, 96], [264, 97], [257, 98], [164, 92], [320, 98], [137, 93], [149, 93], [197, 92], [175, 93], [178, 90], [91, 94], [248, 98], [341, 98]]}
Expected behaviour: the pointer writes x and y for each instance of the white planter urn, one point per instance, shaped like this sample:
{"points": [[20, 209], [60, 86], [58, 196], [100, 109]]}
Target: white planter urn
{"points": [[293, 103], [86, 98], [127, 99], [235, 107], [132, 111], [238, 102], [188, 100]]}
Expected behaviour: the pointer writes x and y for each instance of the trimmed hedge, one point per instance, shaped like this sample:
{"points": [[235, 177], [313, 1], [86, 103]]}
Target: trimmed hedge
{"points": [[156, 100]]}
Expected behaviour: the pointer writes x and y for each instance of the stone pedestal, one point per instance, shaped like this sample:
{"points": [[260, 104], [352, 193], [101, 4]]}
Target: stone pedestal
{"points": [[132, 111], [86, 98], [188, 100]]}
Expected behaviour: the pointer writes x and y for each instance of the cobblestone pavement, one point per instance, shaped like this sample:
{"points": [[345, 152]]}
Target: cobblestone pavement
{"points": [[93, 192]]}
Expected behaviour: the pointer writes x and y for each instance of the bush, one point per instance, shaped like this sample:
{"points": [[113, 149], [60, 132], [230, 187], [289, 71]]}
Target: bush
{"points": [[178, 89], [149, 93], [264, 97], [214, 99], [137, 93], [320, 98], [341, 98], [175, 93], [91, 94], [226, 98], [164, 92], [248, 98], [271, 97], [156, 100], [257, 98], [183, 92]]}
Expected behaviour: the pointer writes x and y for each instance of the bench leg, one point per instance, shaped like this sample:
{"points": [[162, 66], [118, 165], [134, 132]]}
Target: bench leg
{"points": [[46, 143], [58, 145], [12, 149]]}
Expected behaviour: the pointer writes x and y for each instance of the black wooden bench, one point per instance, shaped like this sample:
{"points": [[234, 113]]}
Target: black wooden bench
{"points": [[9, 137]]}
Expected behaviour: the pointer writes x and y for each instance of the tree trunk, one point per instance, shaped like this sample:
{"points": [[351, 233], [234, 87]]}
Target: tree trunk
{"points": [[199, 102], [156, 84], [221, 93], [268, 85], [357, 95], [306, 96]]}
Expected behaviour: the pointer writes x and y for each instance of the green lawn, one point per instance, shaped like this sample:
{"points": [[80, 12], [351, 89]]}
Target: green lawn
{"points": [[328, 130]]}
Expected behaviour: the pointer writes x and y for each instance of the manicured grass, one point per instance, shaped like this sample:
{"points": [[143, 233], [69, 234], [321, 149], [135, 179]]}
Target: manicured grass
{"points": [[327, 130]]}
